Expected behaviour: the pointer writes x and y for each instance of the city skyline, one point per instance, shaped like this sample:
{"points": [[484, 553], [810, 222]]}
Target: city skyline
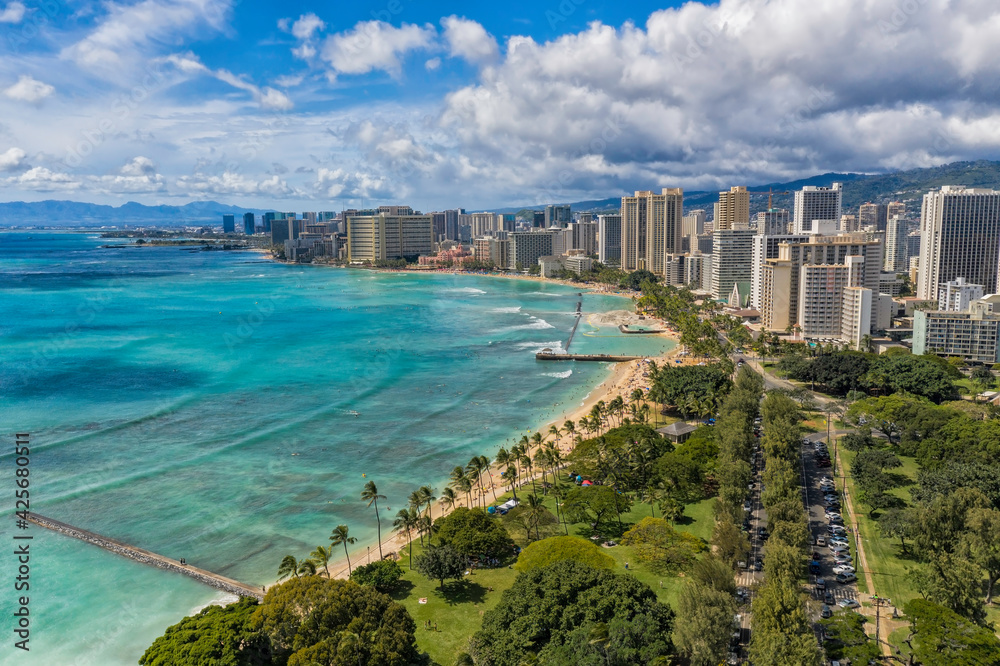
{"points": [[170, 101]]}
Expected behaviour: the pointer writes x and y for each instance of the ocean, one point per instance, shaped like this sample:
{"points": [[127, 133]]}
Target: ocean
{"points": [[226, 409]]}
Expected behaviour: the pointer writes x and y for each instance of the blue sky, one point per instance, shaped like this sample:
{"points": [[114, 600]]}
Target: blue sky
{"points": [[314, 106]]}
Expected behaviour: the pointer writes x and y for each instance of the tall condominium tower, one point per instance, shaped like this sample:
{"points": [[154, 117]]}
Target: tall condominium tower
{"points": [[383, 236], [773, 222], [228, 224], [873, 215], [733, 211], [817, 209], [557, 216], [732, 264], [959, 237], [897, 255], [249, 224], [609, 239], [651, 229]]}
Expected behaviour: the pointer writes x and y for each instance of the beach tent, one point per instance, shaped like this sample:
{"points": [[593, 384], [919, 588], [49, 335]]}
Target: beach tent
{"points": [[587, 483]]}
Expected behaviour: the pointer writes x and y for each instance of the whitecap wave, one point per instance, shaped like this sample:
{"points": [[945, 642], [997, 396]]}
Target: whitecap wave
{"points": [[507, 310], [536, 325], [223, 599], [538, 347], [464, 290], [559, 375]]}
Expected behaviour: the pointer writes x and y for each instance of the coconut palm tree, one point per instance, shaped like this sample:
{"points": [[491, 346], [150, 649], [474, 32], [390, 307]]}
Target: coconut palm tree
{"points": [[476, 473], [448, 498], [484, 465], [553, 431], [340, 537], [542, 460], [307, 568], [406, 521], [289, 567], [322, 555], [528, 467], [465, 485], [534, 509], [370, 495], [569, 428], [584, 424], [428, 496]]}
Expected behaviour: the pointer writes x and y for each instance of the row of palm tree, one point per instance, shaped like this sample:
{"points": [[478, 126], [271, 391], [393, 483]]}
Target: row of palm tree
{"points": [[322, 556]]}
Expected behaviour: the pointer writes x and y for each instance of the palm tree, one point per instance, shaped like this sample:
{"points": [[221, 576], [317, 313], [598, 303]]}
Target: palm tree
{"points": [[484, 464], [542, 459], [569, 427], [307, 568], [425, 526], [370, 495], [448, 498], [406, 521], [473, 470], [465, 485], [509, 460], [428, 496], [534, 509], [554, 431], [584, 424], [338, 537], [323, 555], [289, 567]]}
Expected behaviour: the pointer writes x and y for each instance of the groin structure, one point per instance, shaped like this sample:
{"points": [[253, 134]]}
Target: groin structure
{"points": [[147, 557], [624, 328], [602, 358]]}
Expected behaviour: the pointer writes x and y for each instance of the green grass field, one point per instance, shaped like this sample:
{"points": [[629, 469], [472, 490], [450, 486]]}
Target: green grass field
{"points": [[458, 611]]}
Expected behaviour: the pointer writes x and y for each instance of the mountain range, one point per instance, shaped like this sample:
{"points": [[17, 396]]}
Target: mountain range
{"points": [[907, 186]]}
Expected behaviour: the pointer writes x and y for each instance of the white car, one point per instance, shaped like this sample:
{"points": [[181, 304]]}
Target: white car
{"points": [[843, 568], [848, 603], [838, 539], [842, 560]]}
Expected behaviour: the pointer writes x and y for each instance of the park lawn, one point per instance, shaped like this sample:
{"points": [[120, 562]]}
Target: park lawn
{"points": [[885, 557]]}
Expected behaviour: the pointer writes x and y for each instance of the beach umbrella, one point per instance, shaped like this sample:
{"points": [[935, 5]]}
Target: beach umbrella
{"points": [[587, 483]]}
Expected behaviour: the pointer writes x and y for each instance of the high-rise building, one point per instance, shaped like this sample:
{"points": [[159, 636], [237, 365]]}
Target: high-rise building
{"points": [[817, 209], [583, 236], [526, 247], [773, 222], [538, 219], [249, 224], [693, 223], [281, 231], [960, 237], [897, 246], [383, 236], [506, 222], [971, 334], [873, 215], [849, 224], [733, 211], [895, 208], [958, 295], [451, 227], [804, 285], [609, 234], [766, 247], [651, 229], [557, 216], [266, 220], [396, 211], [228, 224], [482, 224], [732, 250], [438, 226]]}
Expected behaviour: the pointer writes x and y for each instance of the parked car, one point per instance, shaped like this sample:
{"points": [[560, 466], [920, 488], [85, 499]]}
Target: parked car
{"points": [[821, 584], [843, 569], [821, 541], [840, 550], [762, 533], [814, 567], [848, 603], [843, 559], [747, 507], [843, 579], [835, 519], [825, 612]]}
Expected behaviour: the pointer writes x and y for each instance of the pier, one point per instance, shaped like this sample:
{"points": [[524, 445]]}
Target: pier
{"points": [[624, 328], [579, 315], [146, 557], [601, 358]]}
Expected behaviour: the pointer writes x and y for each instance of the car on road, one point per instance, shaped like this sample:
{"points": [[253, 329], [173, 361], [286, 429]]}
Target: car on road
{"points": [[843, 569], [825, 612], [820, 583], [838, 550], [821, 540], [843, 579], [828, 598], [762, 533], [742, 595], [758, 565], [814, 566], [742, 564], [848, 603], [747, 507]]}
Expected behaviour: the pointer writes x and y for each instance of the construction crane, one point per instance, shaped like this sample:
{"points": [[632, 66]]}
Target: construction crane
{"points": [[770, 197]]}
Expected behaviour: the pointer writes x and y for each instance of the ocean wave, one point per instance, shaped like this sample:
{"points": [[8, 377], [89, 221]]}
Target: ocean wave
{"points": [[559, 375], [537, 347], [464, 290], [507, 310], [222, 599], [537, 325]]}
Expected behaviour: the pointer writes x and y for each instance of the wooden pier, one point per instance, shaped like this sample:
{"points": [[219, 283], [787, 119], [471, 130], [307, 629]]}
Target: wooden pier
{"points": [[601, 358], [147, 557]]}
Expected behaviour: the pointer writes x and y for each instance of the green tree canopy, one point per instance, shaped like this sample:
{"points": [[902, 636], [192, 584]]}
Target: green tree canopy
{"points": [[550, 611], [383, 575], [941, 637], [663, 547], [217, 636], [556, 549], [474, 533], [440, 563]]}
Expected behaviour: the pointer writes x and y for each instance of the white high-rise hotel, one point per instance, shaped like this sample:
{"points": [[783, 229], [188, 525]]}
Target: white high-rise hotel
{"points": [[959, 237], [817, 210]]}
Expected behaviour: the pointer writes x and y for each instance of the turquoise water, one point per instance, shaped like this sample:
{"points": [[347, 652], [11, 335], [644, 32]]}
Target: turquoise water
{"points": [[200, 405]]}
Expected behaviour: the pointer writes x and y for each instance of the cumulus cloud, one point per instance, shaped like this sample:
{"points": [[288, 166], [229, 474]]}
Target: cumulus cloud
{"points": [[12, 159], [40, 179], [375, 45], [28, 89], [334, 183], [267, 97], [232, 182], [13, 12], [138, 175], [307, 25], [469, 40], [432, 64]]}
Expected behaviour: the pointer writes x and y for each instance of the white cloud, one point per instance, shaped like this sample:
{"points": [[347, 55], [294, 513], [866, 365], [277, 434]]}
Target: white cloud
{"points": [[469, 40], [137, 176], [289, 80], [304, 51], [232, 182], [130, 29], [27, 89], [374, 45], [306, 25], [12, 159], [13, 13], [432, 64], [268, 98], [40, 179], [337, 183]]}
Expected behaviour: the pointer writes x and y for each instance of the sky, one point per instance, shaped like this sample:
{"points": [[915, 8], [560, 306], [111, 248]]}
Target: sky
{"points": [[321, 106]]}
